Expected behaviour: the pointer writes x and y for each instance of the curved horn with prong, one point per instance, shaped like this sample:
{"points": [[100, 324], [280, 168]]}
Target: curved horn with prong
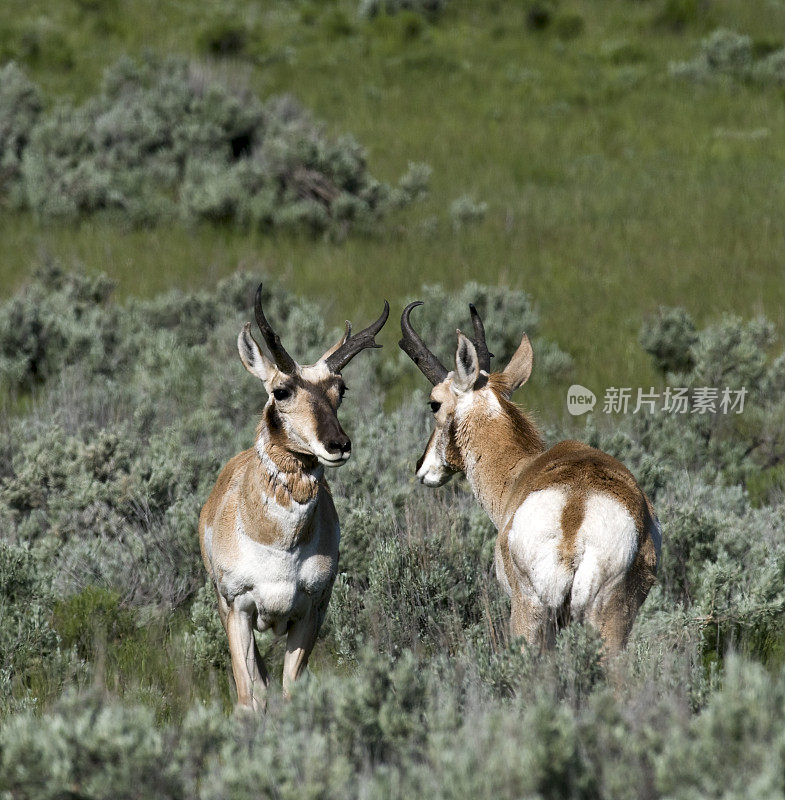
{"points": [[415, 348], [354, 344], [282, 359], [484, 356]]}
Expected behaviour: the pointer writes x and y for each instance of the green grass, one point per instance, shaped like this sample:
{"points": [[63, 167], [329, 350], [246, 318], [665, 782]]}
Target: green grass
{"points": [[612, 188]]}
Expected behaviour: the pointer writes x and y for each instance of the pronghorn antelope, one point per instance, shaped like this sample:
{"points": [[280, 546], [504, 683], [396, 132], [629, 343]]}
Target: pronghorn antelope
{"points": [[578, 539], [269, 531]]}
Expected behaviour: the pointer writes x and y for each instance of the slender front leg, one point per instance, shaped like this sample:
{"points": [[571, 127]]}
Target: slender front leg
{"points": [[250, 675], [299, 643]]}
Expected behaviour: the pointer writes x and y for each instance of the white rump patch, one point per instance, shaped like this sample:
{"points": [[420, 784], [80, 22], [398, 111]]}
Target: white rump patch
{"points": [[534, 539], [606, 545]]}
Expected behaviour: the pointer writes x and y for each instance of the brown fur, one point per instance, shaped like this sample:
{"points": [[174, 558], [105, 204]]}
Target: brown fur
{"points": [[571, 518], [221, 505]]}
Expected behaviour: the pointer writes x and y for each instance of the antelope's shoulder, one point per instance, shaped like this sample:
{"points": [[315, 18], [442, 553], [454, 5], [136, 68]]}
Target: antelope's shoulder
{"points": [[219, 512]]}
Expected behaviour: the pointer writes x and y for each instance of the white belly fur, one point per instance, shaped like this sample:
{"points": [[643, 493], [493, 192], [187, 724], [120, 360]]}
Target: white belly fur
{"points": [[606, 544]]}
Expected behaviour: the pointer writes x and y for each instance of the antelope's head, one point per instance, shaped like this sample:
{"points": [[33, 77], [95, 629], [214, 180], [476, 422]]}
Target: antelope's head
{"points": [[463, 398], [302, 406]]}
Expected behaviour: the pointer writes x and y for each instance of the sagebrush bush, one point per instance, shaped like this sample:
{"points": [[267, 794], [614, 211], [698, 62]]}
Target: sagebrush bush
{"points": [[732, 354], [20, 108], [165, 140], [106, 750], [465, 209], [411, 728], [369, 9], [669, 339], [90, 618], [417, 687], [208, 638], [730, 54], [27, 638]]}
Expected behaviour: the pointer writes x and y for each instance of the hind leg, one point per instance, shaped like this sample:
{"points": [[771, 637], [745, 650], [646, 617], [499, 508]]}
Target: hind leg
{"points": [[299, 644], [612, 614], [613, 610], [532, 620], [617, 605]]}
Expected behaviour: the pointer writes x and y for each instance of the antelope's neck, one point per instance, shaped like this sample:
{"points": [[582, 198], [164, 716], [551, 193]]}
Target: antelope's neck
{"points": [[287, 477], [496, 448]]}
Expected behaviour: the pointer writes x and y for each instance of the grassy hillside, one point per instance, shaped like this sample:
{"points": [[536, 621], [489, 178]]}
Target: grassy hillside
{"points": [[610, 186]]}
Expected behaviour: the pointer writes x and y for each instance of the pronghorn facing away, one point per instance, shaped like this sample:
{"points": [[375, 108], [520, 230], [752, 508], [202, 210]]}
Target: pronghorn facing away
{"points": [[269, 532], [578, 539]]}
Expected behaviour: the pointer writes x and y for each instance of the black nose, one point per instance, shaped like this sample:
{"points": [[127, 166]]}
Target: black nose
{"points": [[341, 444]]}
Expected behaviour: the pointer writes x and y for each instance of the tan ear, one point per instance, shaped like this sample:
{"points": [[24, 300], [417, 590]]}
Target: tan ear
{"points": [[342, 341], [254, 360], [520, 366], [467, 364]]}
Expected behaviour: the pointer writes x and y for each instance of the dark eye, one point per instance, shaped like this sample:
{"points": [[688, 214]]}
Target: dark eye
{"points": [[281, 394], [434, 406]]}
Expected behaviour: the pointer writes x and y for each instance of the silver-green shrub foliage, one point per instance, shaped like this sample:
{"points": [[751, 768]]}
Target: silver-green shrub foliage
{"points": [[368, 9], [164, 140], [26, 634], [729, 54], [20, 109], [417, 688]]}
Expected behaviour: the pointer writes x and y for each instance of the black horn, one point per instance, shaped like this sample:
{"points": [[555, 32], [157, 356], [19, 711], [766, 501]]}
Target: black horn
{"points": [[483, 355], [354, 344], [415, 348], [282, 359]]}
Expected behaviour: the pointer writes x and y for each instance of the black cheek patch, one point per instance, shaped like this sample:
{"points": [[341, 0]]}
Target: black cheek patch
{"points": [[452, 455], [273, 420]]}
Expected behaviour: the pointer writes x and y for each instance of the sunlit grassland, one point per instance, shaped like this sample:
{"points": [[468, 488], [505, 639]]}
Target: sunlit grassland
{"points": [[611, 187]]}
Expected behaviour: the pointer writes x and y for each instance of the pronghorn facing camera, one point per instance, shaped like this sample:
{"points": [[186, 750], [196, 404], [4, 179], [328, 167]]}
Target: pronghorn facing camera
{"points": [[578, 539], [269, 532]]}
